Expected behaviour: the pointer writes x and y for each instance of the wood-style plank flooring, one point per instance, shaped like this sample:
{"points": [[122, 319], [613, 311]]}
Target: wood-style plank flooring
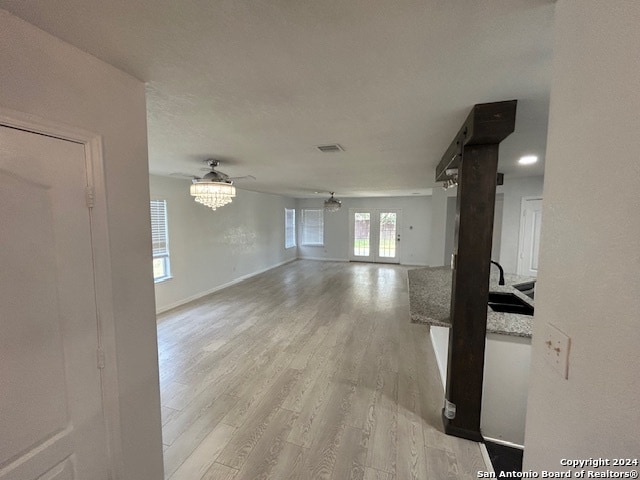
{"points": [[309, 371]]}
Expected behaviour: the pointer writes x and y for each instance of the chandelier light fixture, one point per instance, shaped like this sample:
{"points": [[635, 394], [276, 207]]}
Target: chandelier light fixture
{"points": [[212, 194], [215, 189], [332, 204]]}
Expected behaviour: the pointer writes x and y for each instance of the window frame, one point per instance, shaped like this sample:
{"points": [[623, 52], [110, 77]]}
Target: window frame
{"points": [[289, 230], [160, 235], [320, 228]]}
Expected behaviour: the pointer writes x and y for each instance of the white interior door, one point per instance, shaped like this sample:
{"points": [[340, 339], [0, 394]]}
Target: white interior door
{"points": [[529, 244], [51, 420], [374, 235]]}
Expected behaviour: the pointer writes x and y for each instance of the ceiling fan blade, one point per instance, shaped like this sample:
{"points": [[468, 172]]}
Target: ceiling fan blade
{"points": [[183, 175], [245, 177]]}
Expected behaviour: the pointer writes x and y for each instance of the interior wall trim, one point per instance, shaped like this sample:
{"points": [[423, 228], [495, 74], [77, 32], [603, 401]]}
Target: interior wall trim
{"points": [[499, 441], [487, 459], [99, 224], [323, 259]]}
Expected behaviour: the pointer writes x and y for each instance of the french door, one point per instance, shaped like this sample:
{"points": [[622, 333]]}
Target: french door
{"points": [[374, 235]]}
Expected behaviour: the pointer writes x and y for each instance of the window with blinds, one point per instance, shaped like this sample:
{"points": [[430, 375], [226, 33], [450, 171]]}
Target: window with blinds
{"points": [[160, 240], [289, 228], [312, 227]]}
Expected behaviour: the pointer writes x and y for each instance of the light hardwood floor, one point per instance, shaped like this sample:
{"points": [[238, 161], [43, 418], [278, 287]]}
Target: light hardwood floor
{"points": [[309, 371]]}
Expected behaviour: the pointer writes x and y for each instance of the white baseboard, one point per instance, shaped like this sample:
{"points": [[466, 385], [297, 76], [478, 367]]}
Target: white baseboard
{"points": [[322, 259], [487, 460], [191, 298], [184, 301], [504, 442]]}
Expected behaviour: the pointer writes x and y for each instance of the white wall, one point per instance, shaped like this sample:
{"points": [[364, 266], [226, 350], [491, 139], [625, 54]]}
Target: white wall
{"points": [[451, 227], [440, 342], [506, 231], [507, 362], [513, 190], [45, 77], [438, 229], [590, 249], [210, 250], [414, 237]]}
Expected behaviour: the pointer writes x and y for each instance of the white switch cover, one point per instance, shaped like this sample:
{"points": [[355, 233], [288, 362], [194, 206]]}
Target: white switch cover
{"points": [[556, 350]]}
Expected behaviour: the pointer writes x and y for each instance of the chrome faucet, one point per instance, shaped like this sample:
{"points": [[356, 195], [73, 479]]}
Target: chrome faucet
{"points": [[501, 281]]}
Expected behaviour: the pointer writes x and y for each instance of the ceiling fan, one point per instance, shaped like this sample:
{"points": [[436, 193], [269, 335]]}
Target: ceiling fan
{"points": [[213, 175], [215, 189]]}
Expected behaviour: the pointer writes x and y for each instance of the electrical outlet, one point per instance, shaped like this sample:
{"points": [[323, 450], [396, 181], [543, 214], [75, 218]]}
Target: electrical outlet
{"points": [[556, 350]]}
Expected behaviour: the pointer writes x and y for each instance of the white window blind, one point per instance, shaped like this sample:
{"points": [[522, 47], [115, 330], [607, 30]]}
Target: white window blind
{"points": [[312, 226], [289, 228], [160, 240]]}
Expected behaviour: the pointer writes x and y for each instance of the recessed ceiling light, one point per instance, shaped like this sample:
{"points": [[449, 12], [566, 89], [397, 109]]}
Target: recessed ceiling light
{"points": [[528, 160]]}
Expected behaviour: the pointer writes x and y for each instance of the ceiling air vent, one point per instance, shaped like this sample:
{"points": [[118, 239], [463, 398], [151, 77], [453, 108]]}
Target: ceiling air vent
{"points": [[330, 148]]}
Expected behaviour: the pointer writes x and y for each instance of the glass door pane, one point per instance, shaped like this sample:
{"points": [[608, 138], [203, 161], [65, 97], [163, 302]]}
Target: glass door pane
{"points": [[388, 231], [362, 234]]}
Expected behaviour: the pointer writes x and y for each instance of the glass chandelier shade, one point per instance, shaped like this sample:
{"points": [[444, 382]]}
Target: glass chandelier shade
{"points": [[332, 204], [213, 194]]}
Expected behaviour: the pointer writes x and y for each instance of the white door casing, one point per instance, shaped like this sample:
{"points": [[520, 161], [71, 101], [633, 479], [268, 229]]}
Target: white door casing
{"points": [[52, 413], [374, 235], [529, 243]]}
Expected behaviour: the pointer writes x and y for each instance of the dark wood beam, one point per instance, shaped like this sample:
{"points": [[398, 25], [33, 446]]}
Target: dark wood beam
{"points": [[487, 123], [470, 288], [477, 175]]}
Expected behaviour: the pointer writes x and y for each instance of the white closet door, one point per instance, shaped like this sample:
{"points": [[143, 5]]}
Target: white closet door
{"points": [[530, 223], [51, 415]]}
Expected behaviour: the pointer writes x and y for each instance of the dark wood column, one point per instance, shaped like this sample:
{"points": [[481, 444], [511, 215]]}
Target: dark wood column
{"points": [[474, 153]]}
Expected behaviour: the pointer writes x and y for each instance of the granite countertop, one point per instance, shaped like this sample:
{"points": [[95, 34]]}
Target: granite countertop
{"points": [[430, 301]]}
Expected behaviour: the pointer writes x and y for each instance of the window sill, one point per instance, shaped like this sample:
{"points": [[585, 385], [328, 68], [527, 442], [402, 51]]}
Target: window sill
{"points": [[162, 280], [312, 245]]}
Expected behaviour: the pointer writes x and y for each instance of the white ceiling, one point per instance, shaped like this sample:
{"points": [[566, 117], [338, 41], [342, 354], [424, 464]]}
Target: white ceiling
{"points": [[259, 83]]}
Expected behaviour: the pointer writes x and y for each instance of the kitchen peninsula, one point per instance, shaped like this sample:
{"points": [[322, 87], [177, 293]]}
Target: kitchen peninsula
{"points": [[507, 348]]}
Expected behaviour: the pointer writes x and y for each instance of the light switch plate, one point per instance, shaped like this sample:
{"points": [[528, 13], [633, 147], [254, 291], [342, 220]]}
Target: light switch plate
{"points": [[556, 350]]}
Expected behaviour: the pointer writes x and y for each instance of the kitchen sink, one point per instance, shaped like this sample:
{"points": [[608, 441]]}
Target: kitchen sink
{"points": [[528, 288], [509, 303]]}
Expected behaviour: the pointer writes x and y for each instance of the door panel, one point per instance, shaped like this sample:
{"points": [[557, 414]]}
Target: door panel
{"points": [[388, 237], [529, 245], [50, 406], [361, 245], [374, 235]]}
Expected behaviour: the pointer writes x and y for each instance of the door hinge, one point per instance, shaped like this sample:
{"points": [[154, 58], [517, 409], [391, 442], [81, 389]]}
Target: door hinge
{"points": [[91, 196], [100, 357]]}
